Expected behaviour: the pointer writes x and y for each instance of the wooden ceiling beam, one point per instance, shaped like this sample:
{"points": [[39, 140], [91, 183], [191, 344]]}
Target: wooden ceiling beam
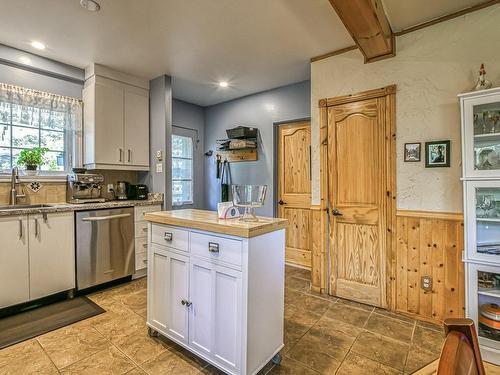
{"points": [[368, 25]]}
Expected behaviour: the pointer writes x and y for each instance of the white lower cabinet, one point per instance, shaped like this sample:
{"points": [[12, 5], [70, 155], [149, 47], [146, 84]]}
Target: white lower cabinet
{"points": [[51, 254], [37, 256], [221, 297], [14, 266]]}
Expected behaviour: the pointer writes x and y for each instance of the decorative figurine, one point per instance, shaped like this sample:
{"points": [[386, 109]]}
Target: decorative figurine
{"points": [[482, 82]]}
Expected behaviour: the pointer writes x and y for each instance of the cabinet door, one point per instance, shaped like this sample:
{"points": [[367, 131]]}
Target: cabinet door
{"points": [[51, 254], [108, 138], [481, 135], [227, 317], [14, 277], [201, 295], [136, 128]]}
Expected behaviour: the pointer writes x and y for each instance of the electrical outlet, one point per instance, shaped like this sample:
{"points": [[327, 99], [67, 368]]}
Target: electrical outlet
{"points": [[426, 283], [110, 188]]}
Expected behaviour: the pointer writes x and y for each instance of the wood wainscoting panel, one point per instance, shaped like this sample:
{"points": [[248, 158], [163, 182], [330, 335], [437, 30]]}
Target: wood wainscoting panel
{"points": [[429, 245], [318, 249]]}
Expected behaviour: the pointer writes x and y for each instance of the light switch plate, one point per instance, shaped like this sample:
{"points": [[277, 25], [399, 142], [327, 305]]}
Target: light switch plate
{"points": [[159, 168]]}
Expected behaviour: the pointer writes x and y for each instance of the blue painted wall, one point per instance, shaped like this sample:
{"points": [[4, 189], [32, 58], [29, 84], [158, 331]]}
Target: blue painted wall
{"points": [[260, 110]]}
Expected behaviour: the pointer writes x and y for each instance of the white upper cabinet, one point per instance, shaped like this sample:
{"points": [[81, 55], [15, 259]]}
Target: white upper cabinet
{"points": [[481, 134], [116, 122]]}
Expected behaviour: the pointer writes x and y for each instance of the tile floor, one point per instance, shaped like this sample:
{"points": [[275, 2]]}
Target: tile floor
{"points": [[323, 335]]}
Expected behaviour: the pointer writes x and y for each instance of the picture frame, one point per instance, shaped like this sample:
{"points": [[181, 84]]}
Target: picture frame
{"points": [[412, 152], [437, 154]]}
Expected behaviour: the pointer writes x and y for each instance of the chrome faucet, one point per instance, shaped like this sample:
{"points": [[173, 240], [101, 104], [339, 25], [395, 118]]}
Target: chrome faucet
{"points": [[13, 190]]}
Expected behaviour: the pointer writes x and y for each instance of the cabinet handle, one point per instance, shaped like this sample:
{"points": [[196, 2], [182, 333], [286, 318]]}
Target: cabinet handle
{"points": [[186, 303], [213, 247], [168, 236], [145, 229], [145, 245], [129, 155], [145, 260], [36, 227], [20, 228], [120, 152]]}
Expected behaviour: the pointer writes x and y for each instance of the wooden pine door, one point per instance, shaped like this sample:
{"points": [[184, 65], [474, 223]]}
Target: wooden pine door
{"points": [[357, 189], [294, 190]]}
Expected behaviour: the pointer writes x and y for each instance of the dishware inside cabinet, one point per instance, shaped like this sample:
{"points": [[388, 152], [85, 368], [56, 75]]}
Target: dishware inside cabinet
{"points": [[488, 316]]}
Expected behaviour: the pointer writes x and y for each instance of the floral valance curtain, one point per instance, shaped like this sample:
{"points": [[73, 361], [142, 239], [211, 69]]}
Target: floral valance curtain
{"points": [[71, 107]]}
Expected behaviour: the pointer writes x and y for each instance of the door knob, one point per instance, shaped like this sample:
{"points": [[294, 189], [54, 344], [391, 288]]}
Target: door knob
{"points": [[336, 212], [281, 203]]}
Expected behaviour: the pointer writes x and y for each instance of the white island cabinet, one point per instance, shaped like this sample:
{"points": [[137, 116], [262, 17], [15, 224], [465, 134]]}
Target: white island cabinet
{"points": [[216, 287]]}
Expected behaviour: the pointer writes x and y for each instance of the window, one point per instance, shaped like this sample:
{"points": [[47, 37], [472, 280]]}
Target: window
{"points": [[182, 170], [31, 119]]}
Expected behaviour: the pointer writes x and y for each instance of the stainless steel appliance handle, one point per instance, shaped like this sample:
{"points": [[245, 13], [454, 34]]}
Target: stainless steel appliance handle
{"points": [[102, 218], [20, 228], [213, 247]]}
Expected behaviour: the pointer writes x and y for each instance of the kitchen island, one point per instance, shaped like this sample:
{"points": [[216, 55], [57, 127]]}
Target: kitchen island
{"points": [[216, 287]]}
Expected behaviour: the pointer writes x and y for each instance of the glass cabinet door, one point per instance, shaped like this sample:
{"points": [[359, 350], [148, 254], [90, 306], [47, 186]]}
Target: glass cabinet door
{"points": [[483, 221], [482, 136]]}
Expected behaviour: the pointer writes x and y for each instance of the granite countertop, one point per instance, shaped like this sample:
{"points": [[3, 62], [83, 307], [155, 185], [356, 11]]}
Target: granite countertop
{"points": [[64, 207], [209, 221]]}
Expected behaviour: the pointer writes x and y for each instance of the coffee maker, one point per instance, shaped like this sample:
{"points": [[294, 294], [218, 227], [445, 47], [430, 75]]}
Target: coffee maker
{"points": [[84, 188]]}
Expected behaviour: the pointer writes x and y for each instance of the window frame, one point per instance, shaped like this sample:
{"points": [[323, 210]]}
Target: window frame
{"points": [[186, 133]]}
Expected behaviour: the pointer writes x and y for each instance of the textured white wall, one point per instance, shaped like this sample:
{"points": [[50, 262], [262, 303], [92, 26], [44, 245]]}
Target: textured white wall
{"points": [[432, 66]]}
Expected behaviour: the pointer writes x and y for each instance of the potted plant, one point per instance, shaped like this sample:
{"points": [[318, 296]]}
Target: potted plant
{"points": [[32, 159]]}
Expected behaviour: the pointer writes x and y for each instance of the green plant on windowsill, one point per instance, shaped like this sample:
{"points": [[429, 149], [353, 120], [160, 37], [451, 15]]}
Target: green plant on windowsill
{"points": [[32, 159]]}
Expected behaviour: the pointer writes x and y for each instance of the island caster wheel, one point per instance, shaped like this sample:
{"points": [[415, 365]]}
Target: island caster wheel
{"points": [[276, 359], [152, 332]]}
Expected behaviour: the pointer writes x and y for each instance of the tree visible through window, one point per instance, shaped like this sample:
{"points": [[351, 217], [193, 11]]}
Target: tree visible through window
{"points": [[31, 119], [182, 170]]}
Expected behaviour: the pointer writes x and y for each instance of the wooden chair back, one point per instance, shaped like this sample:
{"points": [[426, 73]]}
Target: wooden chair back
{"points": [[460, 354]]}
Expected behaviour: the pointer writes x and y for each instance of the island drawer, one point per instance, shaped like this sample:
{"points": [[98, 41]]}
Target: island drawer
{"points": [[141, 260], [141, 229], [216, 248], [171, 237], [141, 244]]}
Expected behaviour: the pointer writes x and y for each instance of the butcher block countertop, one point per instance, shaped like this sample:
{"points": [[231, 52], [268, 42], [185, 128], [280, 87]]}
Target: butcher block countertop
{"points": [[208, 220]]}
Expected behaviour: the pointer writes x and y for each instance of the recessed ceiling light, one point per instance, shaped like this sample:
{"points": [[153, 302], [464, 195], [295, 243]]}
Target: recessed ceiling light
{"points": [[91, 5], [37, 45], [223, 84], [25, 60]]}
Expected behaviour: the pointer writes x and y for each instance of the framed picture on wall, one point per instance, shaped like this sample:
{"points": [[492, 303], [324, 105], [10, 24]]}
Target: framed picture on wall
{"points": [[412, 152], [437, 154]]}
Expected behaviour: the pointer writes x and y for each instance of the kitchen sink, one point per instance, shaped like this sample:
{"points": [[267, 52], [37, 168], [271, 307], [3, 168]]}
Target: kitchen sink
{"points": [[24, 206]]}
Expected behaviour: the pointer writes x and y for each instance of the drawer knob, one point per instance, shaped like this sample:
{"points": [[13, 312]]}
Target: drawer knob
{"points": [[168, 236], [213, 247], [186, 303], [145, 229], [145, 245]]}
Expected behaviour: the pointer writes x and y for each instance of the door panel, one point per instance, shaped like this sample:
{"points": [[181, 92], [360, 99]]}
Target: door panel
{"points": [[294, 190], [14, 276], [178, 271], [136, 121], [158, 287], [356, 155]]}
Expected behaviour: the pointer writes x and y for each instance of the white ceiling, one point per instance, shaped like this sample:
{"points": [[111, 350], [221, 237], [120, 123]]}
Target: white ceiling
{"points": [[254, 45], [405, 13]]}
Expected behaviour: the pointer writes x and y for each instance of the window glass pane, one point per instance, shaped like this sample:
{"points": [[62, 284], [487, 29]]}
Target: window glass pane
{"points": [[182, 146], [25, 116], [4, 135], [24, 137], [54, 161], [52, 140], [182, 169], [182, 192], [5, 112], [51, 120], [4, 159]]}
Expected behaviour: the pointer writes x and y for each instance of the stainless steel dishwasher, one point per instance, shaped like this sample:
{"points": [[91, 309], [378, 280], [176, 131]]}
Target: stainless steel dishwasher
{"points": [[105, 248]]}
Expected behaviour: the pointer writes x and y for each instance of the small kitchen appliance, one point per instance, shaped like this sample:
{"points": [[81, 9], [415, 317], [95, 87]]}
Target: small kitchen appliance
{"points": [[122, 191], [249, 197], [84, 188], [138, 192]]}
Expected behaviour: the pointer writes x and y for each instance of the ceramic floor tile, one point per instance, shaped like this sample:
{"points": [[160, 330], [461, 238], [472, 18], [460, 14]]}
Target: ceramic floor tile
{"points": [[135, 300], [297, 323], [355, 364], [307, 302], [171, 363], [298, 272], [355, 304], [348, 314], [109, 361], [26, 358], [428, 339], [430, 325], [138, 345], [381, 349], [136, 371], [418, 358], [395, 315], [390, 327], [291, 367], [296, 283], [71, 344]]}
